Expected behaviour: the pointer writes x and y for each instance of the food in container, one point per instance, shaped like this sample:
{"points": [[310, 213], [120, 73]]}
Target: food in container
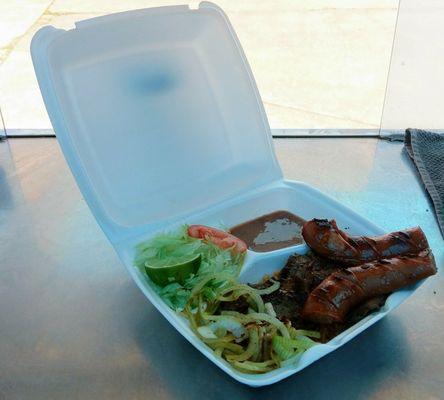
{"points": [[260, 327], [161, 123]]}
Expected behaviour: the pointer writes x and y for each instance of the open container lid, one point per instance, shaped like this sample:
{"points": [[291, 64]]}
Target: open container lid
{"points": [[157, 113]]}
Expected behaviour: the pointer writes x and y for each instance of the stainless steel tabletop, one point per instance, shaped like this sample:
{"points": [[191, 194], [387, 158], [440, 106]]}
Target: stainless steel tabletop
{"points": [[73, 324]]}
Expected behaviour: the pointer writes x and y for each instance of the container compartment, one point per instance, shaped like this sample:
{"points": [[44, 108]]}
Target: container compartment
{"points": [[295, 197]]}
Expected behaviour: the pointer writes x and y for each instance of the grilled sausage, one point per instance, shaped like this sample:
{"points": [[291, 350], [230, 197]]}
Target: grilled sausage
{"points": [[326, 239], [342, 290]]}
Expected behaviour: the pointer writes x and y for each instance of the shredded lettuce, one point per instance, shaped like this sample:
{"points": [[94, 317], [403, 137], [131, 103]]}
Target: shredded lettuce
{"points": [[217, 265]]}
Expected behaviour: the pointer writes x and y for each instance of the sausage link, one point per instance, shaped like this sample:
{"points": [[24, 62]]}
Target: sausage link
{"points": [[326, 239], [341, 291]]}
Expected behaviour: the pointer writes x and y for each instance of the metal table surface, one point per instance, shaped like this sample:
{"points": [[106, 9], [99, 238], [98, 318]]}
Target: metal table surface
{"points": [[73, 324]]}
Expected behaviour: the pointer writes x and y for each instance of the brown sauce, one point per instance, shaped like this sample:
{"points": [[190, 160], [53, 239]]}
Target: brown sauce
{"points": [[271, 231]]}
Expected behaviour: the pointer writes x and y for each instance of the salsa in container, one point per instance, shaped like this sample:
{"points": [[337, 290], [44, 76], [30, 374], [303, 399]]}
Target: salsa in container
{"points": [[269, 232]]}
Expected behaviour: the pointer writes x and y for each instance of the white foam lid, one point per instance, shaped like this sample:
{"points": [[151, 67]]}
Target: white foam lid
{"points": [[157, 113]]}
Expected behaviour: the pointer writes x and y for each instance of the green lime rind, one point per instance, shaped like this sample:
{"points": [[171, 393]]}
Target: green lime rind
{"points": [[179, 271]]}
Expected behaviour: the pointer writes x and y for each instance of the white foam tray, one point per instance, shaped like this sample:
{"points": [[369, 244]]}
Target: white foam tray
{"points": [[300, 199]]}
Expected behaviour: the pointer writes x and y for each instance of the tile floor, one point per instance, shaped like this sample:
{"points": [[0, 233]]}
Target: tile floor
{"points": [[318, 64]]}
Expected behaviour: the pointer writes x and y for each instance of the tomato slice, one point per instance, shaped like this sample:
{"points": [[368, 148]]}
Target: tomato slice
{"points": [[222, 239]]}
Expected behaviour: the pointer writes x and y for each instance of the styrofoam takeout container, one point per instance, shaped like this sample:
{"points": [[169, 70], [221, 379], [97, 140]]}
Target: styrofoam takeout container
{"points": [[160, 120]]}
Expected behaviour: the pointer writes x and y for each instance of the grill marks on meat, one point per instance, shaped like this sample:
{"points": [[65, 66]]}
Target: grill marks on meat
{"points": [[327, 240], [344, 289]]}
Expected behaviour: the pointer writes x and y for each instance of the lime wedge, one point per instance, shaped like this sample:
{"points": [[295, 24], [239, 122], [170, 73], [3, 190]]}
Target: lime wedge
{"points": [[174, 272]]}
